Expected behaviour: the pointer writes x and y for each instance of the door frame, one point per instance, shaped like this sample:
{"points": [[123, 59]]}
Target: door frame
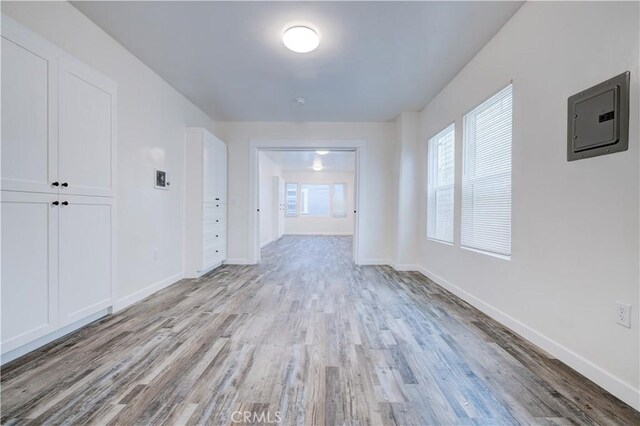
{"points": [[256, 145]]}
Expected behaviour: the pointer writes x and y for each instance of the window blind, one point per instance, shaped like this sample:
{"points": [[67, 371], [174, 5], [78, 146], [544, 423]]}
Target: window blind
{"points": [[486, 175], [314, 199], [440, 181]]}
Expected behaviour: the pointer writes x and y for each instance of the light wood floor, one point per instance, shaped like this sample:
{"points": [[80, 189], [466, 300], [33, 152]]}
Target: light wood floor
{"points": [[305, 337]]}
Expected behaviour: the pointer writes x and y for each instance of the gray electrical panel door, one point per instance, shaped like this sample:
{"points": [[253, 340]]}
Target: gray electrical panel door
{"points": [[598, 119]]}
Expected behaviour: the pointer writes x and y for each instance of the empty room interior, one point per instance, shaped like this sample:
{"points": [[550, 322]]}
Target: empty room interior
{"points": [[320, 213]]}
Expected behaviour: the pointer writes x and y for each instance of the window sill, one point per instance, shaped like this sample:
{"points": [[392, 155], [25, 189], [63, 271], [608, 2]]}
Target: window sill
{"points": [[488, 253], [447, 243]]}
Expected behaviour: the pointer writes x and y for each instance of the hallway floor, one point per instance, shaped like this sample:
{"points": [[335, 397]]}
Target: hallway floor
{"points": [[306, 337]]}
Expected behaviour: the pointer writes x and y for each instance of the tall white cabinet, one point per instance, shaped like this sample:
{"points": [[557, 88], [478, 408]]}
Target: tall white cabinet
{"points": [[57, 189], [205, 202]]}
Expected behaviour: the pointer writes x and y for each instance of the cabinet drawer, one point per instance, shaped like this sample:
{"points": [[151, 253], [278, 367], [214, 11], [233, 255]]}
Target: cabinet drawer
{"points": [[215, 253], [213, 210], [215, 237], [209, 228]]}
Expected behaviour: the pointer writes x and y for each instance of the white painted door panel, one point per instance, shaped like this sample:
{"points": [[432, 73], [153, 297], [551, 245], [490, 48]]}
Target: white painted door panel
{"points": [[29, 267], [86, 257], [87, 131], [29, 118], [209, 189]]}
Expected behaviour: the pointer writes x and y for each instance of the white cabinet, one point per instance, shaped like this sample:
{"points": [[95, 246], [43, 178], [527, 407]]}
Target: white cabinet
{"points": [[205, 202], [279, 203], [85, 258], [29, 267], [29, 111], [58, 188], [86, 146]]}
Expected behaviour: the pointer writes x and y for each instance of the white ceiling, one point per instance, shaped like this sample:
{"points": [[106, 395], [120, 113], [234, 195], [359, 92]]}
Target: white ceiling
{"points": [[375, 59], [294, 161]]}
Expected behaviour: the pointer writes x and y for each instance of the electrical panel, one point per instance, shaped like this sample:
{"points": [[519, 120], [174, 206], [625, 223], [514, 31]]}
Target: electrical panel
{"points": [[598, 119]]}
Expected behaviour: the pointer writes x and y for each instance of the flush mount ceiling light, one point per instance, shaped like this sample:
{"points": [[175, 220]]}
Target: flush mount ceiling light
{"points": [[317, 164], [317, 168], [322, 152], [301, 39]]}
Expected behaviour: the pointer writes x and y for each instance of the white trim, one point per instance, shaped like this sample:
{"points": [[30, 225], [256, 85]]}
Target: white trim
{"points": [[133, 298], [612, 384], [357, 145], [262, 245], [41, 341], [320, 233], [375, 262], [237, 261], [407, 267]]}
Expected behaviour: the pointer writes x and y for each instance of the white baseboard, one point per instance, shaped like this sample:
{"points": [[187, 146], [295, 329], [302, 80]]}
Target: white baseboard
{"points": [[408, 267], [237, 261], [31, 346], [320, 233], [266, 243], [145, 292], [612, 384], [374, 262]]}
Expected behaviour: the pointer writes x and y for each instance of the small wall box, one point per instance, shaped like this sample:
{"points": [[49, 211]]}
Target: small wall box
{"points": [[598, 119]]}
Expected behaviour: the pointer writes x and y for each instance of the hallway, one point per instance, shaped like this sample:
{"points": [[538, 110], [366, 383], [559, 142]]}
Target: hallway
{"points": [[305, 337]]}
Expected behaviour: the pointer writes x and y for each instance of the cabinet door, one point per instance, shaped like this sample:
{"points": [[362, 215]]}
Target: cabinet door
{"points": [[87, 143], [86, 256], [209, 170], [221, 171], [29, 117], [29, 267]]}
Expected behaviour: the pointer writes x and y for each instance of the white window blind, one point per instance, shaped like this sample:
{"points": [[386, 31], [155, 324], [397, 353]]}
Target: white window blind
{"points": [[339, 200], [440, 180], [486, 175], [314, 199], [291, 196]]}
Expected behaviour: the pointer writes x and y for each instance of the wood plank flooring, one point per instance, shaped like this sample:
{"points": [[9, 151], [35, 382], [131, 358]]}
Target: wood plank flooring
{"points": [[303, 338]]}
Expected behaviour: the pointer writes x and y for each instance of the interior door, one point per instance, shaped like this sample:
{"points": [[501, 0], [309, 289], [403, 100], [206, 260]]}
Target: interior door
{"points": [[281, 207], [29, 267], [87, 142], [29, 103], [85, 257]]}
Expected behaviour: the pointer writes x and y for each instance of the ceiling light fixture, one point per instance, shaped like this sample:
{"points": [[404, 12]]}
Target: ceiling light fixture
{"points": [[317, 168], [317, 164], [322, 152], [301, 39]]}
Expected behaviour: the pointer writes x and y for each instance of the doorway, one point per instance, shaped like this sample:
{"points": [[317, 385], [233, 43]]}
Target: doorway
{"points": [[316, 199]]}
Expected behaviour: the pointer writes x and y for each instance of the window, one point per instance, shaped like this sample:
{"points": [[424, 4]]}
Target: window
{"points": [[339, 200], [486, 176], [314, 200], [441, 167], [291, 199]]}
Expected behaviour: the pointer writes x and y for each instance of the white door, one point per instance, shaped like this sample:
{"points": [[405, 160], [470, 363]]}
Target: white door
{"points": [[29, 118], [281, 207], [221, 174], [86, 259], [29, 267], [87, 142]]}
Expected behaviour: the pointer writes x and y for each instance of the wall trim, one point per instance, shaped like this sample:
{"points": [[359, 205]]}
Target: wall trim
{"points": [[408, 267], [612, 384], [320, 233], [133, 298], [48, 338], [237, 261], [375, 262]]}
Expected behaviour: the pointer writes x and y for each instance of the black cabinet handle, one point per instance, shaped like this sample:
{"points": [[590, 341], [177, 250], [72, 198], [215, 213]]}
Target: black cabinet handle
{"points": [[217, 221], [65, 184], [55, 184], [65, 203], [217, 205], [55, 203], [216, 236], [217, 199], [216, 251]]}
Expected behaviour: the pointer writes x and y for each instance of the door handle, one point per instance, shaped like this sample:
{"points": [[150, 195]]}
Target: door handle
{"points": [[65, 203], [55, 203], [55, 184], [65, 184]]}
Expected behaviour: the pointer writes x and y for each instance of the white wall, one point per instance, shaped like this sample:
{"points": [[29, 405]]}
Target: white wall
{"points": [[152, 117], [268, 199], [376, 188], [321, 225], [575, 225]]}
